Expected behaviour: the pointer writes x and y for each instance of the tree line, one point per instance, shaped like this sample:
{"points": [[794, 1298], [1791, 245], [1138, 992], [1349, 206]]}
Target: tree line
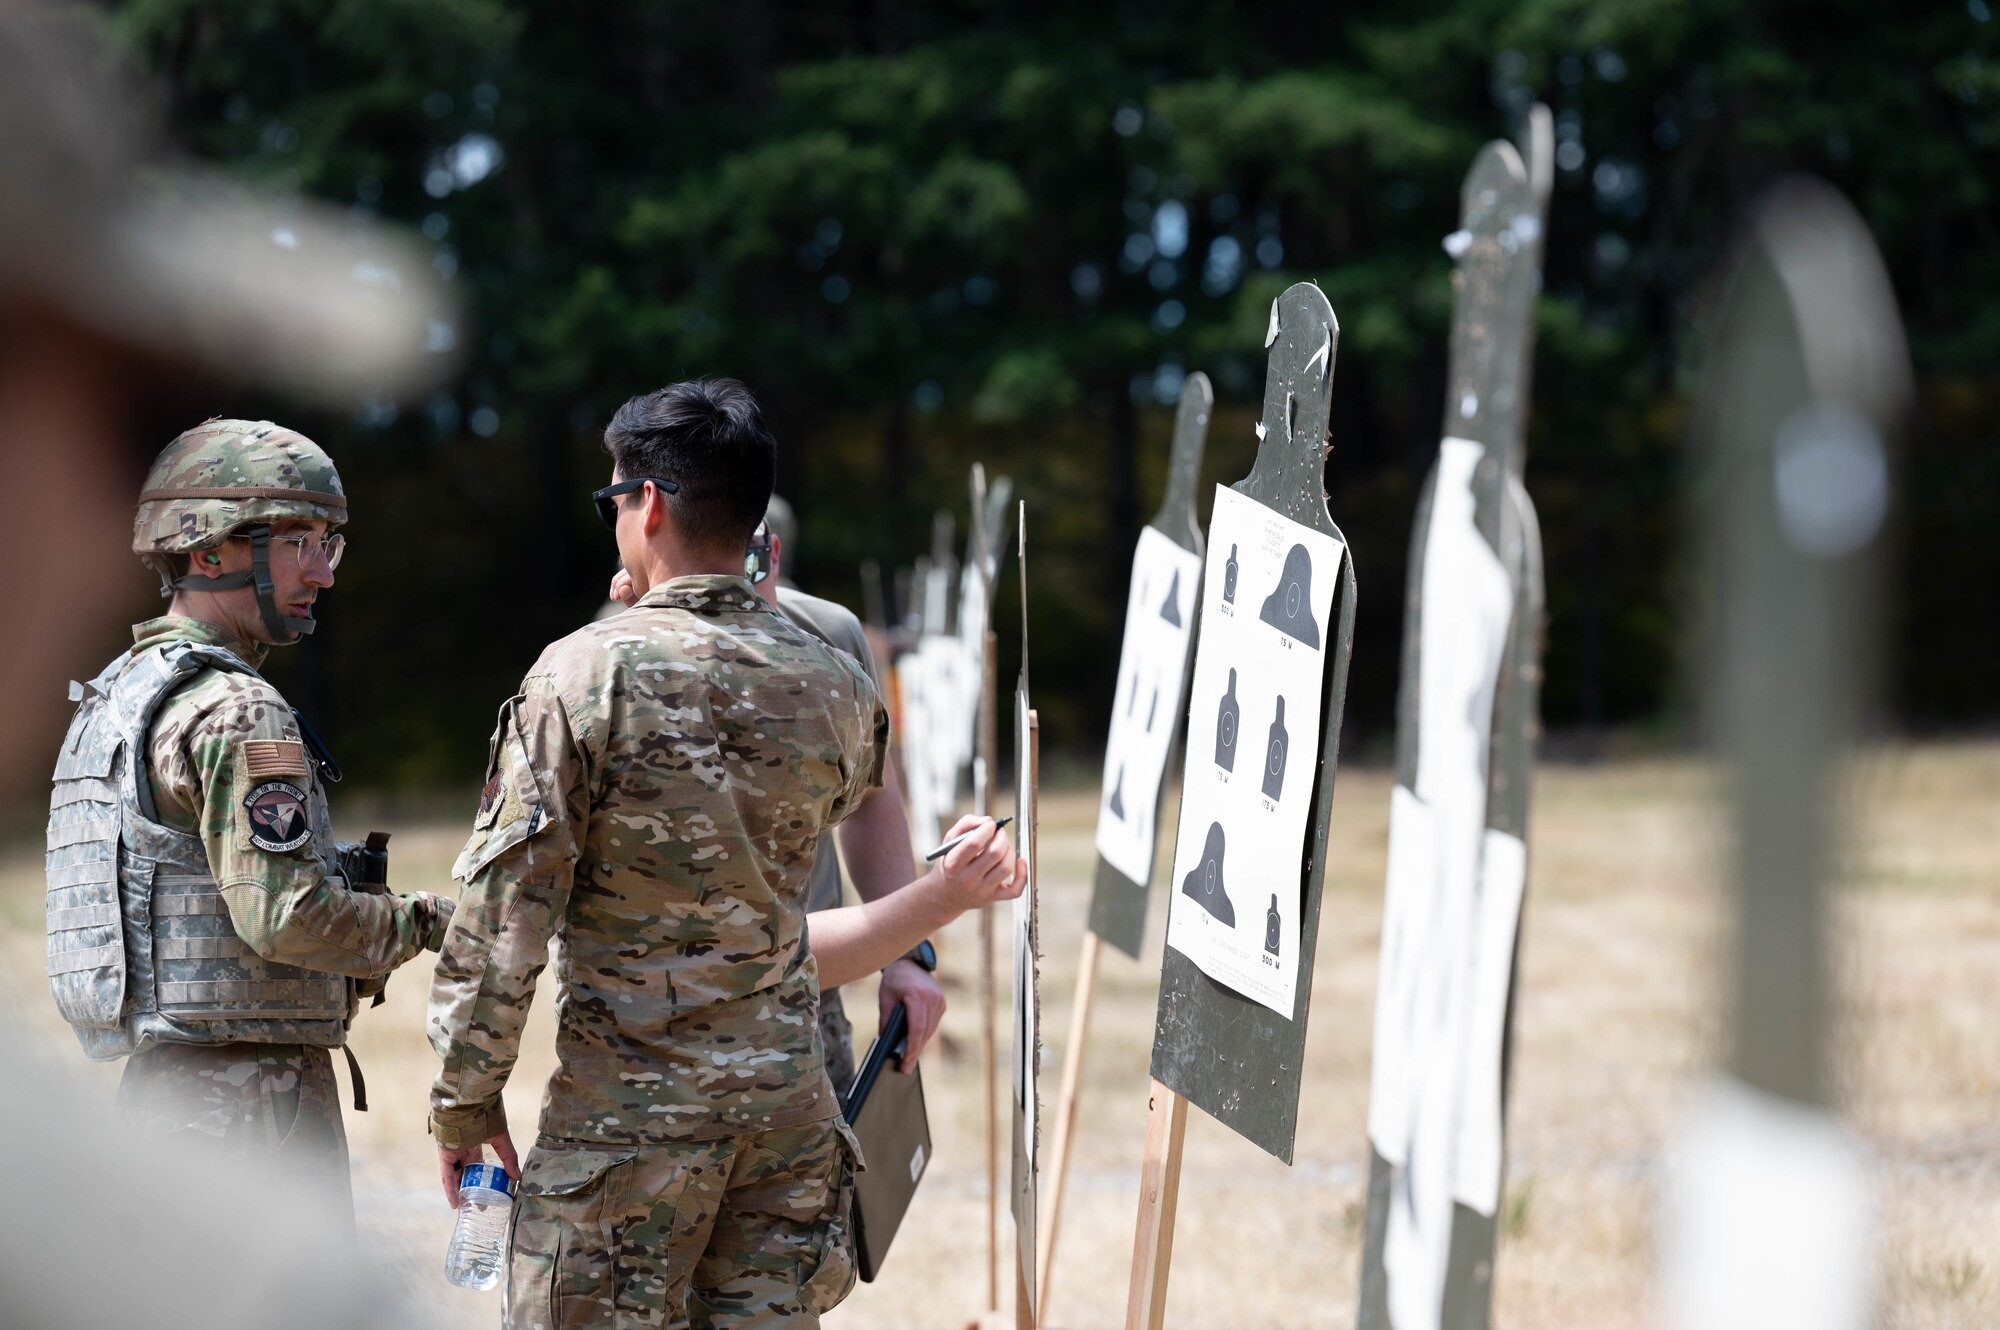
{"points": [[929, 234]]}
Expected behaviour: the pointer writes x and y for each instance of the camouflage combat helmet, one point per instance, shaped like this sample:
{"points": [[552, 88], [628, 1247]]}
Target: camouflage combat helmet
{"points": [[234, 477]]}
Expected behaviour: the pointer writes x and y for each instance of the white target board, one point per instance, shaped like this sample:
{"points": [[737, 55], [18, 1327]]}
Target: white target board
{"points": [[1257, 697], [1450, 909], [931, 680], [1159, 615]]}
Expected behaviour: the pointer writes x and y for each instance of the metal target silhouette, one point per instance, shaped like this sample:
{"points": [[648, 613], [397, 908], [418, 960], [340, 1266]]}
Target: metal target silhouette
{"points": [[1464, 758], [1142, 745], [1166, 566], [1210, 1040], [1234, 1049]]}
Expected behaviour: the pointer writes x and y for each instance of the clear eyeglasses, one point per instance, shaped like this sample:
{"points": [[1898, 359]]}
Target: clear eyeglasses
{"points": [[309, 547]]}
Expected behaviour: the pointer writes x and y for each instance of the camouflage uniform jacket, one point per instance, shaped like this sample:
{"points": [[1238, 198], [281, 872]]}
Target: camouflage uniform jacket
{"points": [[214, 742], [654, 798]]}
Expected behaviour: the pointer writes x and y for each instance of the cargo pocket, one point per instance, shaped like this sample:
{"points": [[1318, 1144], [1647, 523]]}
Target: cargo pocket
{"points": [[561, 1243], [834, 1274]]}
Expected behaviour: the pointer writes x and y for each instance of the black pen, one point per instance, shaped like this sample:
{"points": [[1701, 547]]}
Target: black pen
{"points": [[952, 844]]}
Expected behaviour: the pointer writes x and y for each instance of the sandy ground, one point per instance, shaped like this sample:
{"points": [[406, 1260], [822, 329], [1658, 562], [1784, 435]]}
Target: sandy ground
{"points": [[1618, 1015]]}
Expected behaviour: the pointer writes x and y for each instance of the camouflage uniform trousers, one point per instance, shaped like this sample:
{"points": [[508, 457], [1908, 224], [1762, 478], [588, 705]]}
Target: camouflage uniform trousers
{"points": [[741, 1233], [836, 1036], [273, 1109]]}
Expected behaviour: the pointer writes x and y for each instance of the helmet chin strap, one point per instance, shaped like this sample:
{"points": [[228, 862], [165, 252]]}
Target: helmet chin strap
{"points": [[284, 629]]}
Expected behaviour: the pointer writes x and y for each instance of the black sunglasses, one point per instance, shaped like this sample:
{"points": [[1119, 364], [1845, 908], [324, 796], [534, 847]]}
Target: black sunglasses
{"points": [[606, 499]]}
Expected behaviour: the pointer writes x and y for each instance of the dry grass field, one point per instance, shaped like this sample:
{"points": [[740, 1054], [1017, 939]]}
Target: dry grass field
{"points": [[1618, 1013]]}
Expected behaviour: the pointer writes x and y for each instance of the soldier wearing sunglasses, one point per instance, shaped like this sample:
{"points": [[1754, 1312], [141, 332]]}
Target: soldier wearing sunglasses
{"points": [[656, 796], [874, 843]]}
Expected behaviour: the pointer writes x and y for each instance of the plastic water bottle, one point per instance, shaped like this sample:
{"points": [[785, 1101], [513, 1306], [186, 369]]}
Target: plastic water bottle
{"points": [[479, 1242]]}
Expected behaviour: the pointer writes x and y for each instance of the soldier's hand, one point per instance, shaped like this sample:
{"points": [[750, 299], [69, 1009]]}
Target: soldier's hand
{"points": [[983, 868], [439, 910], [910, 984], [622, 590], [451, 1163]]}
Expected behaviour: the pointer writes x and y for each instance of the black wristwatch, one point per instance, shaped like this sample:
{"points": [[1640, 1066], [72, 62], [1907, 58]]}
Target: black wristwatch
{"points": [[924, 954]]}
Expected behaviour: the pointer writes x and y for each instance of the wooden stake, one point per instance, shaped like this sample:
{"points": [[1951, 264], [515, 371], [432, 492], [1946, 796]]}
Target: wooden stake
{"points": [[1065, 1115], [1159, 1196]]}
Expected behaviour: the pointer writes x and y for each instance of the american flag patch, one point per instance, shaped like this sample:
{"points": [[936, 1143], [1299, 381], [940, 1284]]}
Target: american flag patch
{"points": [[264, 758]]}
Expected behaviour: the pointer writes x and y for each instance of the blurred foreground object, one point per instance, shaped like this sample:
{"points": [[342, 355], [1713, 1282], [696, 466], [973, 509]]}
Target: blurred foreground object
{"points": [[100, 231], [1767, 1218], [114, 275], [103, 1230], [120, 271]]}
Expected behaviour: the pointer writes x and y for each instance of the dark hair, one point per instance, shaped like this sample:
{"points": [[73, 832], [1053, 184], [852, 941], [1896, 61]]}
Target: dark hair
{"points": [[709, 436]]}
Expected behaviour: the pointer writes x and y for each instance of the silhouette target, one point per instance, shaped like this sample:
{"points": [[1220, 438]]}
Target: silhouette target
{"points": [[1289, 608], [1170, 609], [1274, 754], [1225, 727], [1271, 923], [1204, 884], [1118, 795], [1229, 578]]}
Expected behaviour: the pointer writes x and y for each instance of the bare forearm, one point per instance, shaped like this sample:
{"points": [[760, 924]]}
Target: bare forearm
{"points": [[854, 941], [875, 842], [857, 940]]}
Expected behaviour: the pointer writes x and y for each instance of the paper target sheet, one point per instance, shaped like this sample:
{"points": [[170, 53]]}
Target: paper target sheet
{"points": [[1449, 914], [1259, 677], [1159, 616]]}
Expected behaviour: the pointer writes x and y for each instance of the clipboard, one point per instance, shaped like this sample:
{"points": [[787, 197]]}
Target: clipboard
{"points": [[885, 1110]]}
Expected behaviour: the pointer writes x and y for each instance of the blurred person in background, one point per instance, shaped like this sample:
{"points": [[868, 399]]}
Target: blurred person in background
{"points": [[875, 842], [129, 281], [199, 922], [655, 796]]}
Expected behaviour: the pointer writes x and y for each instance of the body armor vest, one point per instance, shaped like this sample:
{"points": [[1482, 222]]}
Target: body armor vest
{"points": [[141, 949]]}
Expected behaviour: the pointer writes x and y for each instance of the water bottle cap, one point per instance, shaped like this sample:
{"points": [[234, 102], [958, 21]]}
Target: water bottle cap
{"points": [[490, 1176]]}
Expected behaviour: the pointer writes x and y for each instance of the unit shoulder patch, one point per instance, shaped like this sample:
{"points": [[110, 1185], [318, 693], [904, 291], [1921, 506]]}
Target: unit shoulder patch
{"points": [[264, 758], [278, 820]]}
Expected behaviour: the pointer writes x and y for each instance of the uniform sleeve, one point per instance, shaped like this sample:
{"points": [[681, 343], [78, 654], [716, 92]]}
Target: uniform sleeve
{"points": [[242, 771], [853, 639], [517, 870], [864, 770]]}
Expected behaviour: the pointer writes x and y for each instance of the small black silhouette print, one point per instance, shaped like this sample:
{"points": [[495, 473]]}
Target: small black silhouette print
{"points": [[1118, 794], [1204, 884], [1274, 754], [1132, 697], [1289, 608], [1229, 578], [1271, 927], [1225, 727], [1153, 709], [1170, 609]]}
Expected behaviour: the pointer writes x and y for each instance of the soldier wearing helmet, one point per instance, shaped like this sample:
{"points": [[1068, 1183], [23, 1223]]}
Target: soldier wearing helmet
{"points": [[199, 922]]}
